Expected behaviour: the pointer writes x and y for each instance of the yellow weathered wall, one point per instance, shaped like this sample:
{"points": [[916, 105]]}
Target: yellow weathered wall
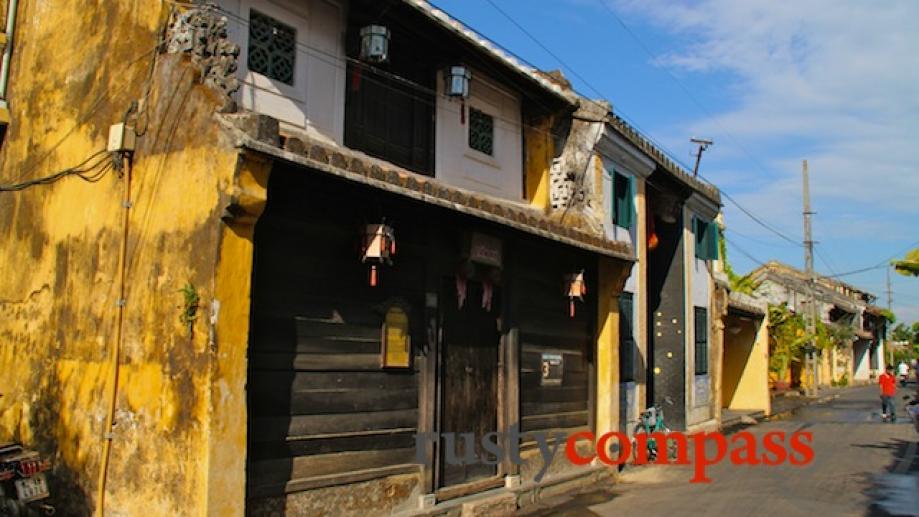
{"points": [[76, 68], [539, 151], [608, 290], [746, 365]]}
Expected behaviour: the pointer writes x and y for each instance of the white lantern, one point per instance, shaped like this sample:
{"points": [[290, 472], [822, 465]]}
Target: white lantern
{"points": [[575, 289], [456, 81], [378, 248], [375, 44]]}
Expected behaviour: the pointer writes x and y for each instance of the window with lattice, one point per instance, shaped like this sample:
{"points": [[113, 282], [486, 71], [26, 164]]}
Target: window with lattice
{"points": [[481, 132], [272, 47]]}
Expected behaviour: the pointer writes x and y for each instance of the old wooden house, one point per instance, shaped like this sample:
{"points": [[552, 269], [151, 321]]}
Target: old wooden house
{"points": [[312, 231]]}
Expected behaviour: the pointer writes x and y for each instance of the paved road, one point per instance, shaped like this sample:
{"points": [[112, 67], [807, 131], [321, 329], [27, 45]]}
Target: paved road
{"points": [[858, 469]]}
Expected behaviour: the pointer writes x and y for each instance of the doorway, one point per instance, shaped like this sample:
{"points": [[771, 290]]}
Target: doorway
{"points": [[468, 380]]}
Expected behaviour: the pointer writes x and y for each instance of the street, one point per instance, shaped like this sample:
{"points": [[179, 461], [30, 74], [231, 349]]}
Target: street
{"points": [[858, 469]]}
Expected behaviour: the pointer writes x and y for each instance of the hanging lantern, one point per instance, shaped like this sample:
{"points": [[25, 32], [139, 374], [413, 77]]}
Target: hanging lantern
{"points": [[378, 248], [456, 82], [575, 288], [375, 44]]}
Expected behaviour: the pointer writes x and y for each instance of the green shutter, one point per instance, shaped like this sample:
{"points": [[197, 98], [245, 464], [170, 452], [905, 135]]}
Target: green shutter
{"points": [[623, 200], [630, 202], [698, 229], [714, 234], [706, 239]]}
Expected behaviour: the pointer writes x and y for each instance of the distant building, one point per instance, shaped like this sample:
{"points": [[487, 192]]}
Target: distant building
{"points": [[838, 303]]}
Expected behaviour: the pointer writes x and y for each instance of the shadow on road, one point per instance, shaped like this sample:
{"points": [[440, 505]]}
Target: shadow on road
{"points": [[896, 491]]}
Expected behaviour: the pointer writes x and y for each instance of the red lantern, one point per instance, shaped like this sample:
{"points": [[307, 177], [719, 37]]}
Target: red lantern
{"points": [[378, 248], [575, 288]]}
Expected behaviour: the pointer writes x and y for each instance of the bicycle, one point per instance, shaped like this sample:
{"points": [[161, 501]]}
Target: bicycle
{"points": [[651, 421]]}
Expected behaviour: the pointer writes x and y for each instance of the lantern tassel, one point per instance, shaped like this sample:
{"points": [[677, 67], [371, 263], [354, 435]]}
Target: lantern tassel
{"points": [[571, 307], [462, 112], [373, 275]]}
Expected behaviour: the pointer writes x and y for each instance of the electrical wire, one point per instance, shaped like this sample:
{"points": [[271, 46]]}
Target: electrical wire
{"points": [[882, 264], [94, 107], [88, 173], [335, 60], [824, 260], [670, 154], [743, 251], [682, 86]]}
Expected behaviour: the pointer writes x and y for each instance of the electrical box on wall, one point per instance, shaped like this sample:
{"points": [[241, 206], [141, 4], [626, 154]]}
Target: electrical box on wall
{"points": [[121, 138]]}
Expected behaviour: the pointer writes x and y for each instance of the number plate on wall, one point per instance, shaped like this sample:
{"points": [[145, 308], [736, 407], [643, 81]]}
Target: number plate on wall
{"points": [[552, 367]]}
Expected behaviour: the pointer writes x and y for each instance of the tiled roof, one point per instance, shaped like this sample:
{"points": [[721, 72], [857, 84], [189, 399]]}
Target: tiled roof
{"points": [[461, 30], [638, 140], [358, 167]]}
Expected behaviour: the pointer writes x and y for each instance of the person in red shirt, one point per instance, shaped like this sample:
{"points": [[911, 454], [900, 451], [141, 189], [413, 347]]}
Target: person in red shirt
{"points": [[888, 383]]}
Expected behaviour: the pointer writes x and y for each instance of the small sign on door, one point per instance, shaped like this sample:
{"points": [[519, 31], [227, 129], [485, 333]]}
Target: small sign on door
{"points": [[552, 367]]}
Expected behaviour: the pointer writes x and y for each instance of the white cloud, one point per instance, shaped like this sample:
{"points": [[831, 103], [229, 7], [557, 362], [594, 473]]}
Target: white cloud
{"points": [[833, 81]]}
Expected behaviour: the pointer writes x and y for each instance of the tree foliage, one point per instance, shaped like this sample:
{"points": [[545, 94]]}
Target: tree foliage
{"points": [[787, 337], [903, 332], [909, 266]]}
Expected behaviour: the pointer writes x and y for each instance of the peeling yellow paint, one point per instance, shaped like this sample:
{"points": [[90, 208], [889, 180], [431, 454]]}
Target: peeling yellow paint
{"points": [[539, 153], [58, 309]]}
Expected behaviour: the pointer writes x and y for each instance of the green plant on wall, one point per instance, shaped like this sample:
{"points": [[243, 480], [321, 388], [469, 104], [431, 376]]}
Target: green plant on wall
{"points": [[189, 307], [787, 337]]}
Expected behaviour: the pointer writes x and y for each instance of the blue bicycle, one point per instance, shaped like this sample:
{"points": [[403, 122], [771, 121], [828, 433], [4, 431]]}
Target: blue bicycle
{"points": [[651, 421]]}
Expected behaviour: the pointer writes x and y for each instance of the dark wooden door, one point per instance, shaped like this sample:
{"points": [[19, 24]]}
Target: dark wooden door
{"points": [[469, 381]]}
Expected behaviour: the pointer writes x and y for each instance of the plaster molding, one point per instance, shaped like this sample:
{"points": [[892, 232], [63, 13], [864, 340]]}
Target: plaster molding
{"points": [[702, 206], [614, 147]]}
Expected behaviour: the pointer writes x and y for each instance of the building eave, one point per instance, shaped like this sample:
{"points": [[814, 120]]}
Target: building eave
{"points": [[748, 304], [355, 166], [706, 190]]}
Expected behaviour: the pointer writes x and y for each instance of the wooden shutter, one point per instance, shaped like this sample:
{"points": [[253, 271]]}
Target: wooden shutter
{"points": [[701, 341], [623, 200]]}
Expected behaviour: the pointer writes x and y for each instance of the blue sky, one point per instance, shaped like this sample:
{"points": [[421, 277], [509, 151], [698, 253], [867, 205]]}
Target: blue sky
{"points": [[835, 82]]}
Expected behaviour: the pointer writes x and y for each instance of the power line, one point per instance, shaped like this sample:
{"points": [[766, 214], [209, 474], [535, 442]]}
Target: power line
{"points": [[824, 260], [744, 252], [645, 134], [89, 173], [882, 264], [758, 220], [682, 86], [98, 103], [596, 91]]}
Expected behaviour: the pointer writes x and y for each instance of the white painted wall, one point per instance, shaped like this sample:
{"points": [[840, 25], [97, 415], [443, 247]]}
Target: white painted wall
{"points": [[699, 282], [316, 101], [861, 356], [500, 175]]}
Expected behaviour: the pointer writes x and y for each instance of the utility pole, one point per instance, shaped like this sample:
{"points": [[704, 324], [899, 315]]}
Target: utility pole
{"points": [[887, 324], [811, 348], [703, 145]]}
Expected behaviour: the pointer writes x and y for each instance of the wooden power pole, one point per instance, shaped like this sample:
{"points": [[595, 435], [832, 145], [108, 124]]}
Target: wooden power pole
{"points": [[886, 325], [811, 350]]}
